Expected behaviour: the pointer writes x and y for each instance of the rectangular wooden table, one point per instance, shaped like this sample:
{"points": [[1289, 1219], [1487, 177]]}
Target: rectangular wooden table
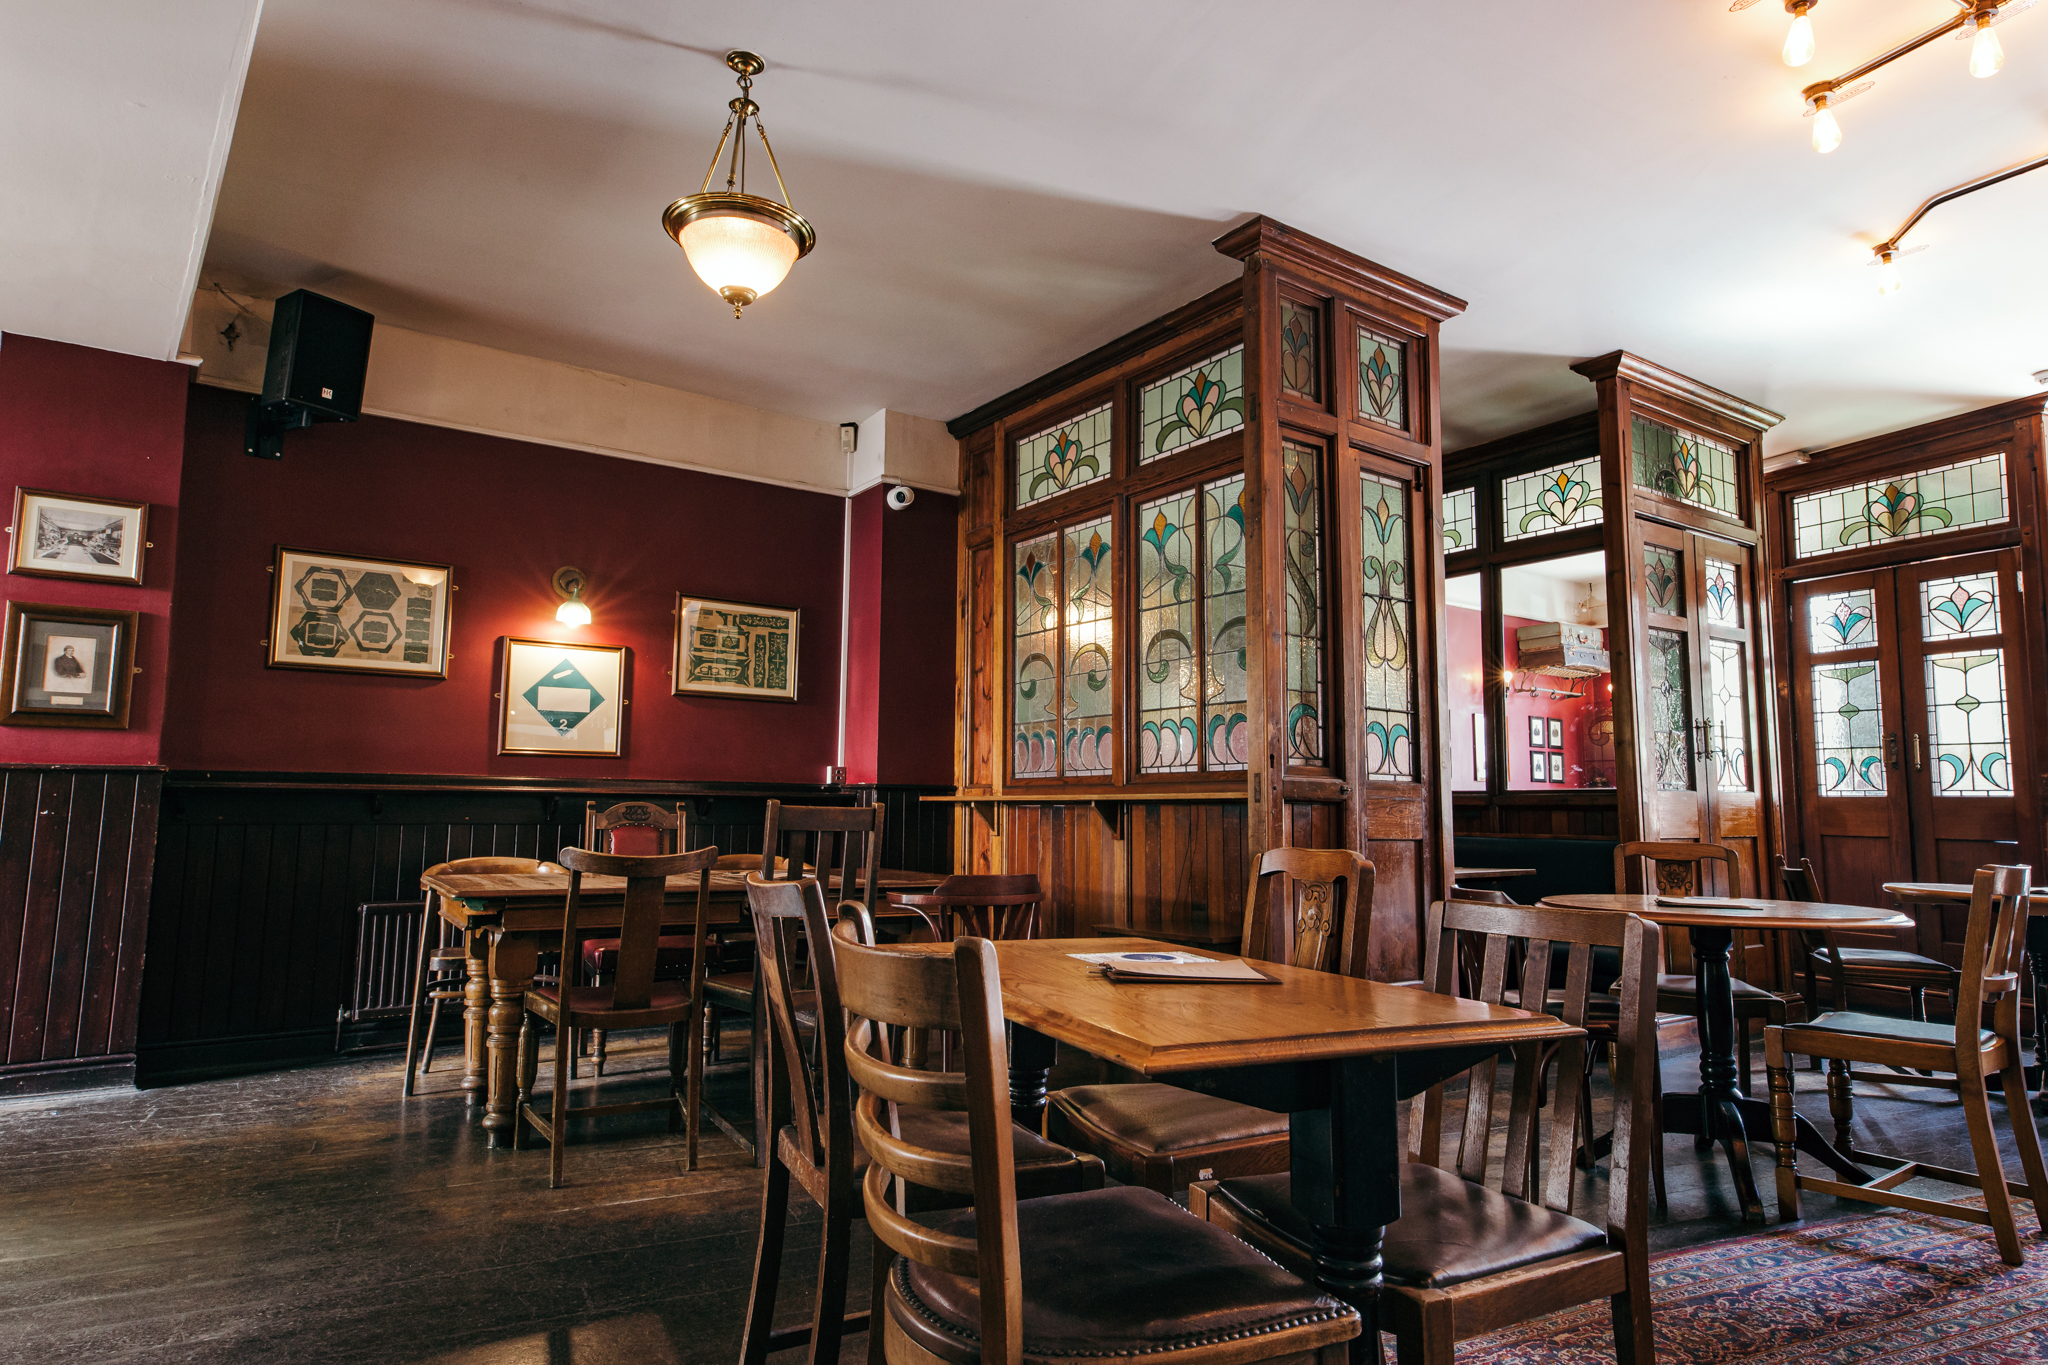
{"points": [[507, 918], [1334, 1053]]}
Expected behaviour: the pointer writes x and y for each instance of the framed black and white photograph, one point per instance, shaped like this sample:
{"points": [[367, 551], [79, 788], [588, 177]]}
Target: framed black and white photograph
{"points": [[1539, 771], [1556, 767], [64, 535], [1535, 732], [341, 613], [557, 698], [1556, 733], [67, 666]]}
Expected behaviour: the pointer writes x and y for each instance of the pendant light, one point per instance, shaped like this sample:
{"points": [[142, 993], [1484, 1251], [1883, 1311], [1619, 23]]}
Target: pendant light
{"points": [[741, 245], [1987, 54], [1798, 49]]}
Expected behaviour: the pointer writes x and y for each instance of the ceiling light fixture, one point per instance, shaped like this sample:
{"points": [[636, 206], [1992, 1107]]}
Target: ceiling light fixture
{"points": [[1987, 54], [1976, 18], [1886, 253], [740, 244], [1798, 50]]}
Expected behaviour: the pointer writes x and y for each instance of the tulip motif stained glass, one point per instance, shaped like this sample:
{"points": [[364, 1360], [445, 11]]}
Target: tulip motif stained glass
{"points": [[1461, 520], [1556, 499], [1661, 576], [1728, 679], [1301, 557], [1301, 362], [1086, 748], [1948, 497], [1386, 582], [1193, 405], [1959, 608], [1226, 734], [1848, 730], [1697, 469], [1841, 620], [1034, 701], [1382, 379], [1169, 676], [1966, 712], [1064, 457], [1724, 605]]}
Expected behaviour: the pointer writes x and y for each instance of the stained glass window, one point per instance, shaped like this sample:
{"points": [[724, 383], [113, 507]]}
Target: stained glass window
{"points": [[1388, 612], [1089, 637], [1958, 608], [1729, 680], [1302, 560], [1841, 620], [1548, 500], [1382, 379], [1225, 733], [1074, 453], [1724, 594], [1848, 730], [1686, 465], [1461, 519], [1966, 711], [1662, 577], [1301, 361], [1670, 711], [1192, 405], [1034, 708], [1948, 498], [1169, 677]]}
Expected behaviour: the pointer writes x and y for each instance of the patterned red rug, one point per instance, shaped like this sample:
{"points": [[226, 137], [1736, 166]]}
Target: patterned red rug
{"points": [[1887, 1289]]}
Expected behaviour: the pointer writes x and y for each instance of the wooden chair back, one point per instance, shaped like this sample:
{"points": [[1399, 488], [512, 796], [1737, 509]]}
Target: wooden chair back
{"points": [[1799, 880], [636, 829], [847, 839], [1540, 1168], [1801, 883], [788, 916], [1675, 869], [640, 919], [1323, 900], [994, 907], [1994, 946]]}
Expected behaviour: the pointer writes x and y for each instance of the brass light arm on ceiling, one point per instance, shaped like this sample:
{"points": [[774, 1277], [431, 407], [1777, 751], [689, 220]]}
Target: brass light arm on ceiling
{"points": [[1982, 182], [1910, 45]]}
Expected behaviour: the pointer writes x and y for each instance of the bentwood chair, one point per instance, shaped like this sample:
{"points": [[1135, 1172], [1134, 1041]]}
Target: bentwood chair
{"points": [[1473, 1253], [812, 1119], [440, 972], [1066, 1279], [1993, 947], [1162, 1136], [1848, 968], [993, 907], [632, 999]]}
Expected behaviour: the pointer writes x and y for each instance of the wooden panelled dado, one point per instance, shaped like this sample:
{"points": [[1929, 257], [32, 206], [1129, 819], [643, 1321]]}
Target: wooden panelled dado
{"points": [[76, 850], [1146, 798]]}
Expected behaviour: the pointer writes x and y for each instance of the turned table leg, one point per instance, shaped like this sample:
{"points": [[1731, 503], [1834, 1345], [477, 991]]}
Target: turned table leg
{"points": [[476, 1008], [512, 962]]}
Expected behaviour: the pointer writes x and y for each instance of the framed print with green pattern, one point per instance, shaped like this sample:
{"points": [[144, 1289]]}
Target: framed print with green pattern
{"points": [[339, 612], [557, 698], [735, 649]]}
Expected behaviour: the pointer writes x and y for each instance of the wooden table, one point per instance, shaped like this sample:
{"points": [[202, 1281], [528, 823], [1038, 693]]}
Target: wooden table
{"points": [[508, 917], [1933, 895], [1186, 938], [1720, 1111], [1334, 1053]]}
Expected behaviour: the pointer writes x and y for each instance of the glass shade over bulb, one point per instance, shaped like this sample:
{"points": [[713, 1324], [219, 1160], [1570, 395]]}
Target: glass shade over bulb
{"points": [[1827, 134], [1888, 274], [1987, 54], [573, 613], [1799, 42], [740, 256]]}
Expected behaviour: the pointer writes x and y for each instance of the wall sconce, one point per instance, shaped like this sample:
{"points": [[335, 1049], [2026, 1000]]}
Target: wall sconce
{"points": [[570, 583]]}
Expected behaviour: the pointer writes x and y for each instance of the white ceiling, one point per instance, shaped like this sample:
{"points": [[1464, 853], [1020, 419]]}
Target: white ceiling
{"points": [[997, 190]]}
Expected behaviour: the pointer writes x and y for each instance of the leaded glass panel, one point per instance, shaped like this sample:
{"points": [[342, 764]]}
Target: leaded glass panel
{"points": [[1958, 608], [1301, 358], [1946, 498], [1724, 594], [1382, 379], [1192, 405], [1090, 611], [1554, 499], [1074, 453], [1729, 679], [1661, 575], [1225, 733], [1035, 615], [1302, 559], [1169, 678], [1388, 612], [1841, 620], [1670, 711], [1848, 730], [1698, 469], [1966, 712], [1461, 519]]}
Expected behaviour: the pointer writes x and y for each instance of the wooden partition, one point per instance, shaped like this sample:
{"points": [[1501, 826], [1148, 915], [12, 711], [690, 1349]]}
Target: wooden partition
{"points": [[1202, 604]]}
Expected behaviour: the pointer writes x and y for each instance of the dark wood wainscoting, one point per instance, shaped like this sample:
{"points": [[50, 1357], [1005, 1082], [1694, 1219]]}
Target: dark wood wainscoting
{"points": [[75, 864], [252, 935]]}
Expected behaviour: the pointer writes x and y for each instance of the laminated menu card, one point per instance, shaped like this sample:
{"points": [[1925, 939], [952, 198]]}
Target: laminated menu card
{"points": [[1184, 968], [1705, 903]]}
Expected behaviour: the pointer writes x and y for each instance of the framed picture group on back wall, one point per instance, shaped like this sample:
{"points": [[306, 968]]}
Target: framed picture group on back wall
{"points": [[340, 613]]}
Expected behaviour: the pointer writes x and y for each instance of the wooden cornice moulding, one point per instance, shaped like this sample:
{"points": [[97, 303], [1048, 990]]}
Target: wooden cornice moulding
{"points": [[1635, 369], [1288, 246], [1997, 414], [1580, 432]]}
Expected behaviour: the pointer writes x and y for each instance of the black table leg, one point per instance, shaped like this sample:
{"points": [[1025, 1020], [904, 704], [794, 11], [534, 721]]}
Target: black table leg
{"points": [[1031, 1059], [1346, 1164], [2037, 962]]}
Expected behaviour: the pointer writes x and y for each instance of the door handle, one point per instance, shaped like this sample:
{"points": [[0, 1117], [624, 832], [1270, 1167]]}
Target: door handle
{"points": [[1916, 753], [1702, 745], [1891, 749]]}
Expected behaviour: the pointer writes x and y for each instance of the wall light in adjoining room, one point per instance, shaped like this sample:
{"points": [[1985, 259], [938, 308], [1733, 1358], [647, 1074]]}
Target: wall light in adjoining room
{"points": [[570, 582]]}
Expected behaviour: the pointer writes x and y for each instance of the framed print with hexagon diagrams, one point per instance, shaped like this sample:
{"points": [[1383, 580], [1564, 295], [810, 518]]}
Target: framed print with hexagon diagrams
{"points": [[359, 615], [557, 698]]}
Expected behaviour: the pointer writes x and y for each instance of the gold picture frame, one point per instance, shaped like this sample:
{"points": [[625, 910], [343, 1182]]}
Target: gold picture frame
{"points": [[69, 535], [67, 666], [736, 649], [353, 614], [560, 697]]}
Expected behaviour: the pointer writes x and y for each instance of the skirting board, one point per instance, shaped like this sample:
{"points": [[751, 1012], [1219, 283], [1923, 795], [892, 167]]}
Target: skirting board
{"points": [[73, 1073]]}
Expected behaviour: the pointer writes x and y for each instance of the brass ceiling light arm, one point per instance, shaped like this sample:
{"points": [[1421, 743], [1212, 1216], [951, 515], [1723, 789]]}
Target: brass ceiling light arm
{"points": [[1910, 45], [1982, 182]]}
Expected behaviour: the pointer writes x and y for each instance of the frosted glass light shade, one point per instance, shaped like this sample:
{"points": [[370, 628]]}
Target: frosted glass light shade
{"points": [[737, 252], [573, 613], [1798, 49], [1827, 134]]}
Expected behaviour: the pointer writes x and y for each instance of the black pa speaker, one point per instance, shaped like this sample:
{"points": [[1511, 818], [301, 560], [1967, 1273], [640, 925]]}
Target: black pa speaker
{"points": [[319, 353]]}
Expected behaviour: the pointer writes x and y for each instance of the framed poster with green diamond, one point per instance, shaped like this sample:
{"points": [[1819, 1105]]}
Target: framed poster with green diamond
{"points": [[560, 698], [340, 612], [735, 649]]}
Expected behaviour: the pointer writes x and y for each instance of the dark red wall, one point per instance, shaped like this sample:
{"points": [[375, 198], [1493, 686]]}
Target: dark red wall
{"points": [[506, 514], [78, 420], [899, 685]]}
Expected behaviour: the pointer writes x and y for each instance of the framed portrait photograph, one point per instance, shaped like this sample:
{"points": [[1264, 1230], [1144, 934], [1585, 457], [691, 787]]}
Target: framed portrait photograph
{"points": [[1556, 732], [352, 615], [1539, 770], [67, 666], [735, 649], [1557, 767], [558, 698], [63, 535], [1535, 732]]}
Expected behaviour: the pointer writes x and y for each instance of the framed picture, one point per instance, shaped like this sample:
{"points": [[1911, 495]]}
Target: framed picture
{"points": [[562, 699], [1556, 732], [1539, 771], [735, 649], [339, 613], [67, 666], [1535, 732], [62, 535], [1556, 767]]}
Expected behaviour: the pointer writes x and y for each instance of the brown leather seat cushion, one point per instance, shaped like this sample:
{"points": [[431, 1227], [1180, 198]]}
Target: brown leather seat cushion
{"points": [[1883, 1026], [1886, 957], [1119, 1272], [1450, 1229], [1165, 1118], [666, 995], [1686, 985], [672, 953], [735, 990]]}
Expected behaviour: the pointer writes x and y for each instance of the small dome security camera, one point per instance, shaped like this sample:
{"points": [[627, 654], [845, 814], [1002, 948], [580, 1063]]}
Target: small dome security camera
{"points": [[901, 497]]}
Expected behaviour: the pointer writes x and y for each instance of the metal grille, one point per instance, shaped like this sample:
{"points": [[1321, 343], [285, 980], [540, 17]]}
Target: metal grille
{"points": [[387, 936]]}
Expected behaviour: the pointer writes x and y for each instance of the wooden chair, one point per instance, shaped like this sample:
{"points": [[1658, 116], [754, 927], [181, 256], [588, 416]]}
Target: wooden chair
{"points": [[1467, 1258], [1067, 1279], [997, 907], [441, 970], [1678, 869], [632, 999], [1993, 946], [812, 1119], [1847, 968], [1161, 1136], [634, 829]]}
